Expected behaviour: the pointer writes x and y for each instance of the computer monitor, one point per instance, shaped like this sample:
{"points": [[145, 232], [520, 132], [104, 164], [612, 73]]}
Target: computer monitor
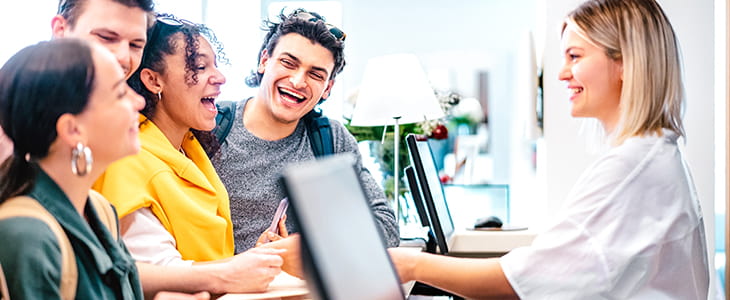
{"points": [[343, 252], [416, 196], [430, 238], [432, 191]]}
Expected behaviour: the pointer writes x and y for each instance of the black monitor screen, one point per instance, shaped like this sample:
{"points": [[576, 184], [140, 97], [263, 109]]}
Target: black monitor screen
{"points": [[416, 195], [431, 190], [343, 251]]}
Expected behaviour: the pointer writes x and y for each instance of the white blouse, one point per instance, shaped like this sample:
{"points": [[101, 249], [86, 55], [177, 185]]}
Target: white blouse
{"points": [[631, 229]]}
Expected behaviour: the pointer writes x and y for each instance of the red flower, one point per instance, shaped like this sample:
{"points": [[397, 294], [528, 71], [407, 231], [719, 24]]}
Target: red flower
{"points": [[440, 132]]}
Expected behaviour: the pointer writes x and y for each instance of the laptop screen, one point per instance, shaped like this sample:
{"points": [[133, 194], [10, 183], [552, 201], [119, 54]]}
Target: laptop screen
{"points": [[343, 252], [432, 191]]}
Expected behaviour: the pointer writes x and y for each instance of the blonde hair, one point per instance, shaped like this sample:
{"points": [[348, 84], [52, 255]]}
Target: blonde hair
{"points": [[638, 33]]}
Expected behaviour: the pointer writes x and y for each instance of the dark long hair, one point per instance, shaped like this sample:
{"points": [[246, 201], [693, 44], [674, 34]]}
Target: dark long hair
{"points": [[163, 43], [37, 85], [316, 30]]}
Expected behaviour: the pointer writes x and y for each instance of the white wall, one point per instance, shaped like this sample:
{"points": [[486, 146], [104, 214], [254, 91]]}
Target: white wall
{"points": [[564, 153], [36, 25]]}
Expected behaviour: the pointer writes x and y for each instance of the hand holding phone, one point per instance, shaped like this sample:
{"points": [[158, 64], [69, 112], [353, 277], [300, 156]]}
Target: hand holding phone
{"points": [[280, 212]]}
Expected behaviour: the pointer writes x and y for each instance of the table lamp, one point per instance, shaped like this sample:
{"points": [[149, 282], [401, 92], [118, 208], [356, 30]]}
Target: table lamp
{"points": [[395, 91]]}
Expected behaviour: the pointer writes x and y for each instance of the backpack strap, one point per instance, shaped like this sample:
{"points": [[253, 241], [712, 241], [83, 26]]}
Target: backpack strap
{"points": [[106, 213], [317, 125], [224, 120], [320, 133], [24, 206]]}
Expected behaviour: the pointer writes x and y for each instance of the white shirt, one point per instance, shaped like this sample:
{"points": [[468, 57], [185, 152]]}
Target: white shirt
{"points": [[148, 241], [631, 229]]}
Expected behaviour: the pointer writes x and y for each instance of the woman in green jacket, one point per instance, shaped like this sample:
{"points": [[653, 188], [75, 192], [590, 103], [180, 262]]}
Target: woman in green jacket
{"points": [[67, 109]]}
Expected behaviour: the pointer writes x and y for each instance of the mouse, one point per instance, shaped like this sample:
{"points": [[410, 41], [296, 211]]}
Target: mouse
{"points": [[488, 222]]}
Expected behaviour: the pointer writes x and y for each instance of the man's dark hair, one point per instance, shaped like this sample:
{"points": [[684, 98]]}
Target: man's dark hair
{"points": [[71, 9], [312, 27]]}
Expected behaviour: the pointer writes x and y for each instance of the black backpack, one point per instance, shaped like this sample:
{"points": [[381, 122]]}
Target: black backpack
{"points": [[317, 125]]}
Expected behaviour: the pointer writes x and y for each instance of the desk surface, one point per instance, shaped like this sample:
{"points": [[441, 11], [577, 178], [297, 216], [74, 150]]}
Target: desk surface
{"points": [[288, 287], [467, 203], [469, 241], [473, 241], [284, 286]]}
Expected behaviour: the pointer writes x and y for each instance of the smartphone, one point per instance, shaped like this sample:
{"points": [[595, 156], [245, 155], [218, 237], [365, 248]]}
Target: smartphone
{"points": [[280, 211]]}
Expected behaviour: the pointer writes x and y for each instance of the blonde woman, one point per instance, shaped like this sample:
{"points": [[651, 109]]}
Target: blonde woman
{"points": [[631, 227]]}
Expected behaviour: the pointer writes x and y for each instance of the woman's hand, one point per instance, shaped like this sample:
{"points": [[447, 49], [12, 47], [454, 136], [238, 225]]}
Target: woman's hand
{"points": [[250, 271], [405, 261], [268, 236], [182, 296], [291, 254]]}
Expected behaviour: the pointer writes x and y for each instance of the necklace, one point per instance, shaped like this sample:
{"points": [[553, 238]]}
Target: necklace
{"points": [[182, 151]]}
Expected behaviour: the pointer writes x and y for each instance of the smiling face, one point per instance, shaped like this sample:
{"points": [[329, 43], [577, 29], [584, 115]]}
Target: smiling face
{"points": [[110, 118], [121, 29], [295, 77], [186, 103], [594, 79]]}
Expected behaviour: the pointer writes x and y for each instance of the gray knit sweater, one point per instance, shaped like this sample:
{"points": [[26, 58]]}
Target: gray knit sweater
{"points": [[251, 167]]}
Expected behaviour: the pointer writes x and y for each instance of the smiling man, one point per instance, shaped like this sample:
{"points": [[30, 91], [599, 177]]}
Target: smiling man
{"points": [[119, 25], [298, 61]]}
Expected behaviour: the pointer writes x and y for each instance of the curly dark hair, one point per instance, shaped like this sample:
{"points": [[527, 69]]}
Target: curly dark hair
{"points": [[161, 43], [315, 29]]}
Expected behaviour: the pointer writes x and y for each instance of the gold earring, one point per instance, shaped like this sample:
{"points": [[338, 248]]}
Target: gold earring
{"points": [[77, 154]]}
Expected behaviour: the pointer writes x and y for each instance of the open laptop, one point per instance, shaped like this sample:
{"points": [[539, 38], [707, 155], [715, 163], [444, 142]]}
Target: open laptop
{"points": [[432, 192], [343, 252]]}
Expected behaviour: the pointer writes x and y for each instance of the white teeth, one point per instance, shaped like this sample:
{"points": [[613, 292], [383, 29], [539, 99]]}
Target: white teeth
{"points": [[291, 101], [576, 90], [300, 97]]}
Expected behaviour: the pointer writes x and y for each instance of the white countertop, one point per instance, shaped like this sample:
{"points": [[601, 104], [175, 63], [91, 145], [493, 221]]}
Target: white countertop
{"points": [[473, 241]]}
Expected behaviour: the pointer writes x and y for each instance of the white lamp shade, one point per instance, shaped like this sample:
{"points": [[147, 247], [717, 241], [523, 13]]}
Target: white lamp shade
{"points": [[395, 86]]}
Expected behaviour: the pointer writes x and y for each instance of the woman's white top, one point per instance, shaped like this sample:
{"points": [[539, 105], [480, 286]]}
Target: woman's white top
{"points": [[148, 241], [631, 228]]}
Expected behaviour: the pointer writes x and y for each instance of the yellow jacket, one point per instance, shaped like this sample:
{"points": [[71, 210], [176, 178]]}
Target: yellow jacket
{"points": [[185, 193]]}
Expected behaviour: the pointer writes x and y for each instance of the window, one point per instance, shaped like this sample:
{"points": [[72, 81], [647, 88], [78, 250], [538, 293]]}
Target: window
{"points": [[34, 27]]}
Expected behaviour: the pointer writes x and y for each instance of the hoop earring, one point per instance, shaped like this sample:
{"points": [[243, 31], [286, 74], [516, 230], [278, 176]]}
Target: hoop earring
{"points": [[76, 155], [159, 95]]}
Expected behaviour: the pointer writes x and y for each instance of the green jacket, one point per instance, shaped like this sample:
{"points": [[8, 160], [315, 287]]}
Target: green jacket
{"points": [[31, 257]]}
